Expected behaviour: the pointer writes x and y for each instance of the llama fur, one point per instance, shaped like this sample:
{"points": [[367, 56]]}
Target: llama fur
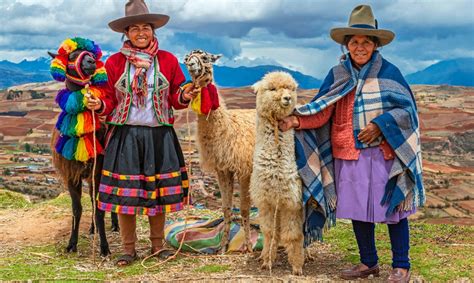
{"points": [[73, 172], [275, 185], [226, 140]]}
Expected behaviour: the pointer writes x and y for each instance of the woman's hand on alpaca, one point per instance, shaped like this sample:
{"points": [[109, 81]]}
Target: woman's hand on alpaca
{"points": [[288, 123], [369, 133], [190, 92], [93, 103]]}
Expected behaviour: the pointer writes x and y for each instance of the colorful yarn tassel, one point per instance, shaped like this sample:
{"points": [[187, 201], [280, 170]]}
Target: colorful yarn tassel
{"points": [[60, 143], [75, 122], [69, 148]]}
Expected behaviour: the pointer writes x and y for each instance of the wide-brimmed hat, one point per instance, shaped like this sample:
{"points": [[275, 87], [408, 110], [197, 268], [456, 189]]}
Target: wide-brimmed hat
{"points": [[362, 22], [137, 12]]}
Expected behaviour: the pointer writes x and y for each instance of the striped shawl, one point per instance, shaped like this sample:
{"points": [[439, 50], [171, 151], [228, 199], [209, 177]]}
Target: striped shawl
{"points": [[382, 97]]}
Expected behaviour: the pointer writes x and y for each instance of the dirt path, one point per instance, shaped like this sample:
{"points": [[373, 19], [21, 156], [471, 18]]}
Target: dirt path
{"points": [[32, 227]]}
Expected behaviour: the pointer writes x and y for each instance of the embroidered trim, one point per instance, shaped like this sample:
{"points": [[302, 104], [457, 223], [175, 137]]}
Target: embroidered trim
{"points": [[143, 177], [123, 209], [127, 192]]}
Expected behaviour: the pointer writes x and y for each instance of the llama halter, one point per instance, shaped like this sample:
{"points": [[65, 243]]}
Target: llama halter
{"points": [[199, 65], [76, 122], [61, 63]]}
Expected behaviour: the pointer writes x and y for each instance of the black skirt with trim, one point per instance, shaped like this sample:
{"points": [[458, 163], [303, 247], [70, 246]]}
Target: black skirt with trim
{"points": [[144, 172]]}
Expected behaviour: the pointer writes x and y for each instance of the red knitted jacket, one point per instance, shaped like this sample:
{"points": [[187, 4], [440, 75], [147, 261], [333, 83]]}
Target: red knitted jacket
{"points": [[115, 66], [342, 135]]}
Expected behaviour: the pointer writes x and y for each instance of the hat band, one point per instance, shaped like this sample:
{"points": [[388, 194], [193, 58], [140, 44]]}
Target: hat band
{"points": [[363, 26]]}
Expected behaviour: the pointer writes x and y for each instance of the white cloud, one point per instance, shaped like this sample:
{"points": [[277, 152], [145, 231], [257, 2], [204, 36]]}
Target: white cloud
{"points": [[292, 33]]}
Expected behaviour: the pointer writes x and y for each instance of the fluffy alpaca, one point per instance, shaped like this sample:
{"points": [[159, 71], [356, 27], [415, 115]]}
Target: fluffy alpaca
{"points": [[275, 186], [226, 140], [78, 63]]}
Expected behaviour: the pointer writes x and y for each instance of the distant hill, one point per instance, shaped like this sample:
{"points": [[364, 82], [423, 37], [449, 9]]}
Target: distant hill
{"points": [[245, 76], [38, 71], [457, 72], [24, 72]]}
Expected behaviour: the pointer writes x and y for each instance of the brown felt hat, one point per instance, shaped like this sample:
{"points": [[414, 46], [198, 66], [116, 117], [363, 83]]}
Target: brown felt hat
{"points": [[362, 22], [136, 12]]}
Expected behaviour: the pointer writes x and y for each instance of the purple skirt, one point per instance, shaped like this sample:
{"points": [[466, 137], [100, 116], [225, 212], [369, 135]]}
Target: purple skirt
{"points": [[360, 186]]}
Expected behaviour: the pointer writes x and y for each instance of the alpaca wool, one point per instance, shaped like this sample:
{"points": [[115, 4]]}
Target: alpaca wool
{"points": [[75, 123]]}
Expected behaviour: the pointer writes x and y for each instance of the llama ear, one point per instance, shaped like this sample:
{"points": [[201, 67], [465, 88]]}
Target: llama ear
{"points": [[53, 55], [256, 87], [214, 58]]}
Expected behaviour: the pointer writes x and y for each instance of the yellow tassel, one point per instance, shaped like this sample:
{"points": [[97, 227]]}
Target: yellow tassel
{"points": [[81, 151], [80, 125], [196, 103]]}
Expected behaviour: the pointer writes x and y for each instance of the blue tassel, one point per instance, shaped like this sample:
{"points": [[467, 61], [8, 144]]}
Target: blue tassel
{"points": [[62, 99], [60, 120], [61, 94], [60, 143], [69, 148], [74, 103], [64, 127]]}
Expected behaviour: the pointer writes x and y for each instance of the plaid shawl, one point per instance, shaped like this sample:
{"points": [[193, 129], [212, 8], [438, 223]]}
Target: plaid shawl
{"points": [[382, 97]]}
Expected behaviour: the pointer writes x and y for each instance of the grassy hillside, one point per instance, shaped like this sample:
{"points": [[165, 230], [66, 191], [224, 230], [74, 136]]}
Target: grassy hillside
{"points": [[438, 252]]}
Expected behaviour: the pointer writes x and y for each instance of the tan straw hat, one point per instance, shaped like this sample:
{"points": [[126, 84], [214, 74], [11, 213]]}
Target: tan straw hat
{"points": [[137, 12], [362, 22]]}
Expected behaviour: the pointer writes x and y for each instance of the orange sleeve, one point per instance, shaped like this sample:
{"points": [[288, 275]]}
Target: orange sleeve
{"points": [[317, 120]]}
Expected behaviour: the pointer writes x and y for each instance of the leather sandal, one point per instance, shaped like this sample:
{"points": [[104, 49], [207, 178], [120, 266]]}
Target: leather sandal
{"points": [[126, 259], [162, 253]]}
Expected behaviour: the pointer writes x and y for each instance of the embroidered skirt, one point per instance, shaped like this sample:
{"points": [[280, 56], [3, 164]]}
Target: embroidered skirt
{"points": [[360, 186], [144, 172]]}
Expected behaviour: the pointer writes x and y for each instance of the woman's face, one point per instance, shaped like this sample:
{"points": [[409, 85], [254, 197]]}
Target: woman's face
{"points": [[140, 35], [361, 48]]}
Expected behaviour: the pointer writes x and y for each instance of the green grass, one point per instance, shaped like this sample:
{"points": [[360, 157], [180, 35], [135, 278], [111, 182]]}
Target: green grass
{"points": [[438, 252], [10, 199], [212, 268]]}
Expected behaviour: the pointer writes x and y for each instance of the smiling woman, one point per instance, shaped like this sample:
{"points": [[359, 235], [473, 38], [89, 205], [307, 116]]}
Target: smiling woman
{"points": [[140, 34], [353, 142], [144, 170]]}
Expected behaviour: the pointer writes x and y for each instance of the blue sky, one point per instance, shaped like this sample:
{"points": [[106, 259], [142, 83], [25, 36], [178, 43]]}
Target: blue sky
{"points": [[290, 33]]}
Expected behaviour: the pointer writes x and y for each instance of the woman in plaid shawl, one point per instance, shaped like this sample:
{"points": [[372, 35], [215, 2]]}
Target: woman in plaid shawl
{"points": [[359, 140]]}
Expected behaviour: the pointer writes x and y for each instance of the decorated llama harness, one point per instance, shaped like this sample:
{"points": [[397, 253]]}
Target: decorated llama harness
{"points": [[199, 65], [75, 123]]}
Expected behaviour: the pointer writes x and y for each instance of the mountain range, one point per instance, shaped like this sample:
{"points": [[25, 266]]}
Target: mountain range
{"points": [[458, 72]]}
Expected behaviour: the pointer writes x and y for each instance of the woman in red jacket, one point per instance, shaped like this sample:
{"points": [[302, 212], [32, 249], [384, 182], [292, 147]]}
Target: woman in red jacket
{"points": [[144, 171]]}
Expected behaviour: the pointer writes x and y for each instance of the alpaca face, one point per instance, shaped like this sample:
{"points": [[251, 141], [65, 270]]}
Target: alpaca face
{"points": [[276, 95]]}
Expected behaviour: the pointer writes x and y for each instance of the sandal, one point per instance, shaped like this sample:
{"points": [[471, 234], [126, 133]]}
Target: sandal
{"points": [[126, 259], [162, 253]]}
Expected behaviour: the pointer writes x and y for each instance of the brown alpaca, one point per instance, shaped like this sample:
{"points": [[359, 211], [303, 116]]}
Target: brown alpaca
{"points": [[226, 140], [73, 172]]}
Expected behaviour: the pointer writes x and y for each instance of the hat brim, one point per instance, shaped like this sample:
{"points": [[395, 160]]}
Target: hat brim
{"points": [[385, 36], [157, 20]]}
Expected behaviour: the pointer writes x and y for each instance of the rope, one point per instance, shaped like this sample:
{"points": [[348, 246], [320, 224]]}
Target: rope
{"points": [[94, 207], [186, 210]]}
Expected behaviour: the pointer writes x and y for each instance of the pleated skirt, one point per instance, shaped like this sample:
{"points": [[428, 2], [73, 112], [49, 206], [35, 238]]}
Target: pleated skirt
{"points": [[144, 172], [360, 186]]}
